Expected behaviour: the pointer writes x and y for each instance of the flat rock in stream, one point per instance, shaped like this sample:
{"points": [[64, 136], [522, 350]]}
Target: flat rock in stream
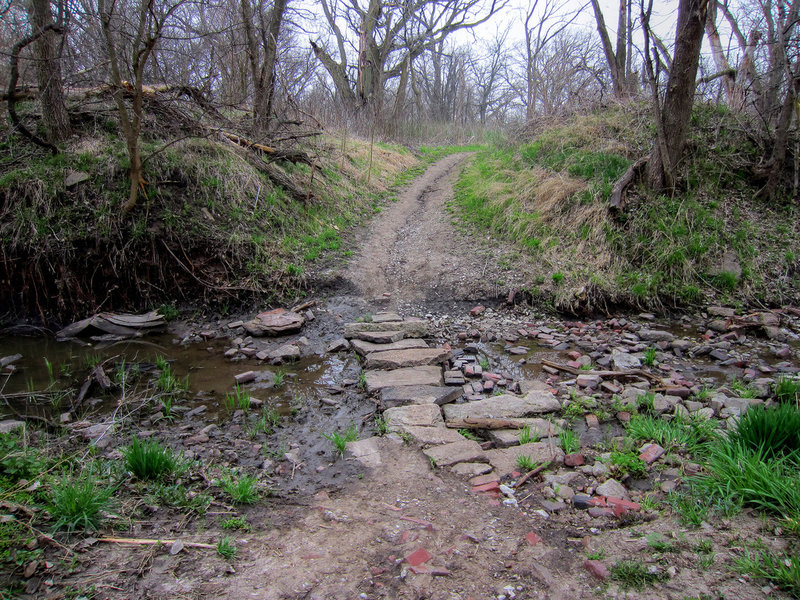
{"points": [[274, 322], [411, 328], [504, 406], [409, 357], [363, 347], [377, 380], [419, 415], [120, 326], [418, 394], [505, 460]]}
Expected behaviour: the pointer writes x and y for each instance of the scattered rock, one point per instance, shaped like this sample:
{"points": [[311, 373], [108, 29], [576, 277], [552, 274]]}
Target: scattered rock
{"points": [[418, 394], [424, 415], [274, 322]]}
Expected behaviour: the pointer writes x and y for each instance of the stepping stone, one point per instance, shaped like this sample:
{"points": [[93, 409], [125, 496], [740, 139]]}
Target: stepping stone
{"points": [[410, 357], [363, 348], [504, 406], [432, 436], [386, 317], [377, 380], [378, 337], [366, 451], [456, 452], [505, 438], [410, 328], [418, 394], [420, 415], [505, 460]]}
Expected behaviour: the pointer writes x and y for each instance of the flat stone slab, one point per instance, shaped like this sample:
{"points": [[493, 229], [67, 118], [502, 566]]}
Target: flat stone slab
{"points": [[541, 428], [409, 357], [504, 406], [418, 394], [367, 451], [505, 460], [377, 380], [379, 337], [471, 469], [456, 452], [274, 322], [420, 415], [363, 347], [432, 436], [410, 328], [386, 317]]}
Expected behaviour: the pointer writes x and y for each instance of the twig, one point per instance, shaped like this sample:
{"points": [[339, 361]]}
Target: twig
{"points": [[150, 542], [530, 474]]}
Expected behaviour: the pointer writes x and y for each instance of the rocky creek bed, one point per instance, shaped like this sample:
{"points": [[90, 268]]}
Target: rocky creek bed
{"points": [[436, 497]]}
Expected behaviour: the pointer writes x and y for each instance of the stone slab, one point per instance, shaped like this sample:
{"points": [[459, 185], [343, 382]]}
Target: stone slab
{"points": [[386, 317], [410, 357], [471, 469], [429, 436], [456, 452], [505, 460], [542, 428], [505, 406], [367, 451], [418, 394], [377, 380], [410, 328], [422, 415], [378, 337], [363, 347]]}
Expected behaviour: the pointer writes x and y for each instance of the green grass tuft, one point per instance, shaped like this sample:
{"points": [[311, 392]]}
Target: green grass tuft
{"points": [[781, 570], [78, 502], [242, 490], [339, 440], [150, 460]]}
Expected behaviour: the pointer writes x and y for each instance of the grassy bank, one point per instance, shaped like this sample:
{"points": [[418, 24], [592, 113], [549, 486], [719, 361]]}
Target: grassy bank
{"points": [[710, 241], [212, 227]]}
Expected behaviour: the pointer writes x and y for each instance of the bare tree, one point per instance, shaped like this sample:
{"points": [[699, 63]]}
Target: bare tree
{"points": [[617, 61]]}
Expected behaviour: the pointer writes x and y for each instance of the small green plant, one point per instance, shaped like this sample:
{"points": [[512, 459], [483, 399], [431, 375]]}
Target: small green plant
{"points": [[362, 380], [366, 318], [635, 574], [150, 460], [78, 501], [167, 382], [17, 460], [570, 443], [691, 509], [226, 548], [168, 311], [340, 440], [649, 503], [166, 407], [781, 570], [558, 277], [774, 432], [280, 378], [598, 554], [432, 461], [469, 434], [382, 427], [49, 366], [526, 436], [649, 358], [236, 523], [242, 490], [483, 362], [629, 463], [726, 281], [646, 402], [179, 496], [787, 389], [526, 463], [743, 389], [704, 546], [656, 542], [238, 399]]}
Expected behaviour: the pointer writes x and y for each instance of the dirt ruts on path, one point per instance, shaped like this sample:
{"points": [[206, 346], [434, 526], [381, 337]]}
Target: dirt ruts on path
{"points": [[413, 251]]}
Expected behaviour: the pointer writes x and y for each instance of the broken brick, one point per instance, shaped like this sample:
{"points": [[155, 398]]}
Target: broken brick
{"points": [[611, 501], [532, 538], [574, 460], [418, 557], [651, 453], [489, 486], [596, 568]]}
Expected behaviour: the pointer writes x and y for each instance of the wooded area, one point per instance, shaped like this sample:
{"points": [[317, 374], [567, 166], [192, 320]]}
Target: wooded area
{"points": [[399, 68]]}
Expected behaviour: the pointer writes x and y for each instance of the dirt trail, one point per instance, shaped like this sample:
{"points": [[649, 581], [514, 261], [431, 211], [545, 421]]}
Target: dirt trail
{"points": [[413, 252]]}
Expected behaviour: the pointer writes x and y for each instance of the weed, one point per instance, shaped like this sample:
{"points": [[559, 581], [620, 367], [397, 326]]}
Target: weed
{"points": [[469, 434], [782, 570], [569, 441], [726, 281], [236, 523], [599, 554], [166, 407], [787, 389], [773, 432], [526, 463], [18, 461], [649, 503], [78, 501], [367, 318], [557, 277], [483, 362], [167, 383], [168, 311], [695, 435], [630, 463], [432, 461], [743, 389], [645, 402], [635, 574], [656, 542], [226, 548], [177, 495], [649, 358], [362, 380], [280, 378], [150, 460], [526, 436], [239, 399], [339, 440], [242, 490], [691, 510]]}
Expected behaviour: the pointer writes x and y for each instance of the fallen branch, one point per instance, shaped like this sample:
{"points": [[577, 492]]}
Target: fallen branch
{"points": [[616, 202], [618, 374], [245, 143], [149, 542], [530, 474]]}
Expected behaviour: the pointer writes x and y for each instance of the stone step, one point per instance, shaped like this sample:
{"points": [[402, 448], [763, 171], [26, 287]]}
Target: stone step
{"points": [[411, 328], [504, 406], [414, 415], [363, 347], [541, 428], [377, 380], [456, 452], [418, 394], [409, 357], [431, 436], [378, 337], [504, 460], [386, 317]]}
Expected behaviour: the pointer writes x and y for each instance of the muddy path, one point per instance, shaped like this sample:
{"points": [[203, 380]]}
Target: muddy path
{"points": [[413, 253]]}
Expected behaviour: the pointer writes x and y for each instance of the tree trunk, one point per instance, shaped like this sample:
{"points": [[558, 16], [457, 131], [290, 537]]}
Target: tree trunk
{"points": [[720, 60], [680, 91], [48, 74], [271, 55], [615, 60]]}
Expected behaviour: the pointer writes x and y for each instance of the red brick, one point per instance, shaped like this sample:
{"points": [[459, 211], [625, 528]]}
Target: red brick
{"points": [[574, 355], [489, 486], [611, 501], [574, 460], [532, 538], [491, 377], [651, 453], [596, 568], [597, 501], [484, 479], [477, 310], [418, 557], [597, 511], [574, 364], [592, 421]]}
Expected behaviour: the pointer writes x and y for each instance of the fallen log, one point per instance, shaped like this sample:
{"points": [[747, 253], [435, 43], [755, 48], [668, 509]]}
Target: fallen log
{"points": [[616, 201], [619, 374]]}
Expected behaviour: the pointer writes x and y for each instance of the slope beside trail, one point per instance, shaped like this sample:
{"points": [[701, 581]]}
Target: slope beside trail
{"points": [[413, 251]]}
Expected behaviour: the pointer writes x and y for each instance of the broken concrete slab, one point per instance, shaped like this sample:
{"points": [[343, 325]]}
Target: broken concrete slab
{"points": [[409, 357], [377, 380], [456, 452], [363, 347], [409, 327], [418, 394], [471, 469], [505, 460], [504, 406], [421, 415]]}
